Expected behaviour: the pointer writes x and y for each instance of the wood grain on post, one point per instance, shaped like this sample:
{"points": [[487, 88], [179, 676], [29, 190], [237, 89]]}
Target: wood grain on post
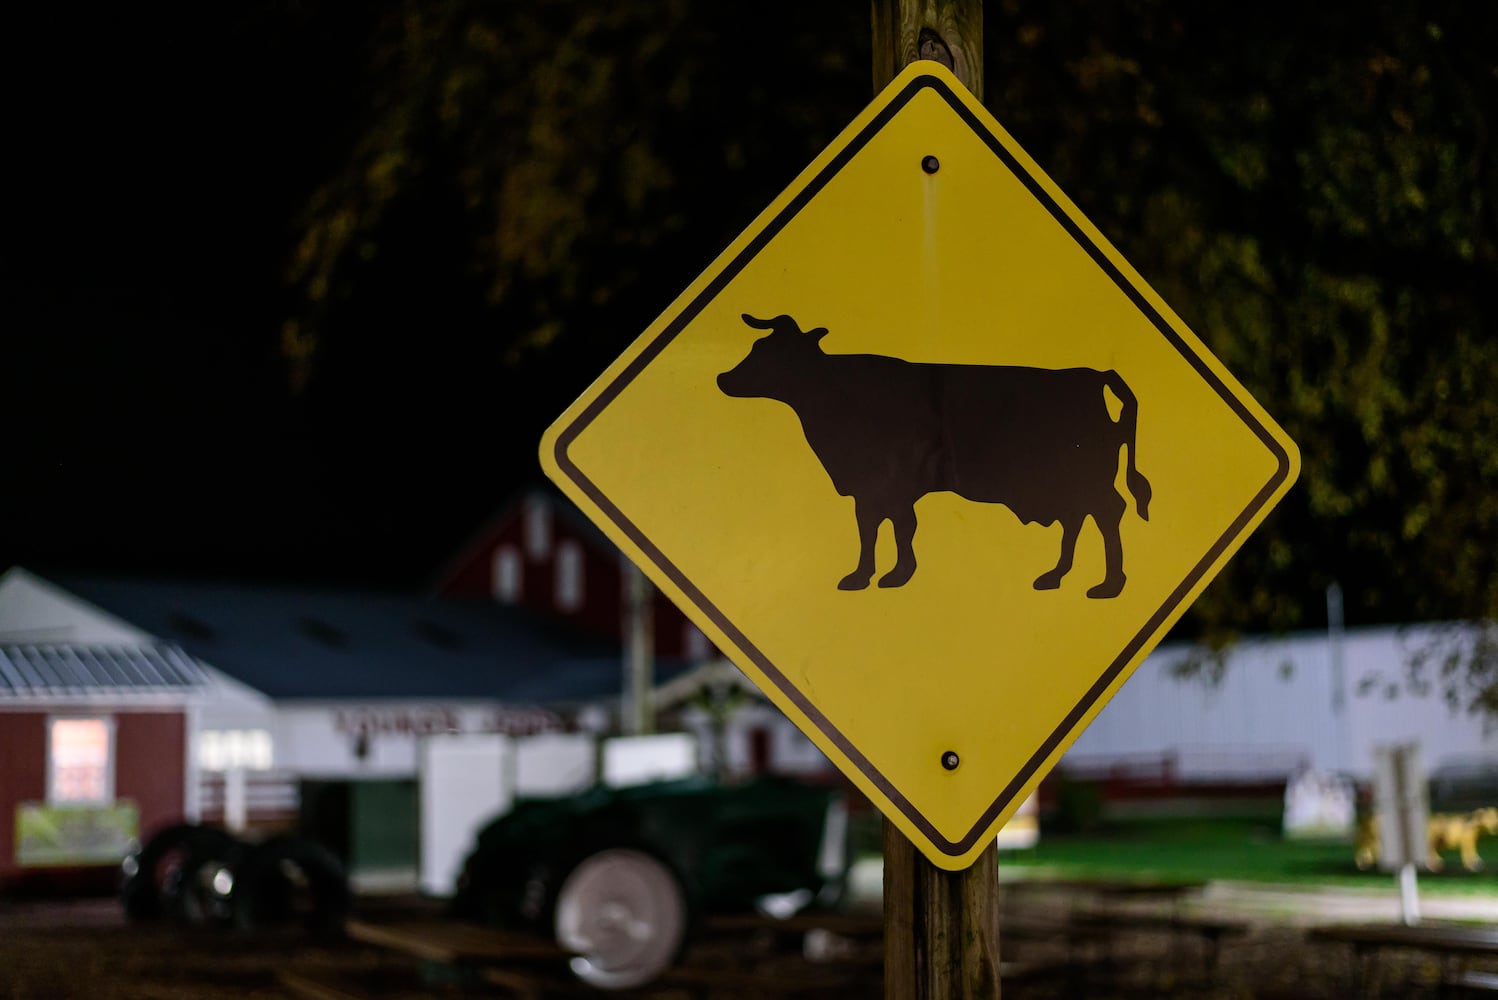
{"points": [[948, 31], [941, 928]]}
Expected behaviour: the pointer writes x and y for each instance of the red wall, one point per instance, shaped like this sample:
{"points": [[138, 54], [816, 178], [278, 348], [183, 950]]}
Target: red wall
{"points": [[150, 769], [473, 575], [150, 765], [601, 612], [23, 774]]}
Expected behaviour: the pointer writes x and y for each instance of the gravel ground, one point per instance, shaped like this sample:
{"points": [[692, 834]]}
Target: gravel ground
{"points": [[83, 949]]}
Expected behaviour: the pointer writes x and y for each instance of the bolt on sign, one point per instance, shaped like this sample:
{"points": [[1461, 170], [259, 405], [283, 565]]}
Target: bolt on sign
{"points": [[928, 460]]}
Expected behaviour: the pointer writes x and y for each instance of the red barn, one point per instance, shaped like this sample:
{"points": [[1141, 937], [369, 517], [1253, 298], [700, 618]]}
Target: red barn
{"points": [[93, 751], [542, 553]]}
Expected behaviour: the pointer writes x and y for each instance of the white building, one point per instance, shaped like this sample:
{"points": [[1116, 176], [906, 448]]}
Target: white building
{"points": [[309, 708], [1279, 704]]}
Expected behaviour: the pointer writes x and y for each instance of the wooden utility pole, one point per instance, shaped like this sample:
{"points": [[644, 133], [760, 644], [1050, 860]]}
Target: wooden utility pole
{"points": [[639, 665], [941, 928]]}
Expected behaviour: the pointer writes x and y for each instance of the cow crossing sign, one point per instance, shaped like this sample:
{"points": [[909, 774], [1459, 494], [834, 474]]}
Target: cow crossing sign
{"points": [[928, 460]]}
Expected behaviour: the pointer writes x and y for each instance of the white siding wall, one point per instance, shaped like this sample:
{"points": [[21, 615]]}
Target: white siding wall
{"points": [[1274, 701], [323, 740]]}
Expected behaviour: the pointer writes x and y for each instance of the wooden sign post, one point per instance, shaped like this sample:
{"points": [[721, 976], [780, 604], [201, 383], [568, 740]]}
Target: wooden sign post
{"points": [[941, 928]]}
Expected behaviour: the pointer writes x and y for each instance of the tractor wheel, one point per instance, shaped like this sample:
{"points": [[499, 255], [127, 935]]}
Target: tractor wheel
{"points": [[289, 880], [623, 914], [159, 877]]}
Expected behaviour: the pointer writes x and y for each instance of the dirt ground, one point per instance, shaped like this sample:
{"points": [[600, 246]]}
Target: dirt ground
{"points": [[84, 949]]}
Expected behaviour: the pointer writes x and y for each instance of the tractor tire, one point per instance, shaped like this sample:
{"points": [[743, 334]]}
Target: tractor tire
{"points": [[623, 913], [157, 878], [291, 880]]}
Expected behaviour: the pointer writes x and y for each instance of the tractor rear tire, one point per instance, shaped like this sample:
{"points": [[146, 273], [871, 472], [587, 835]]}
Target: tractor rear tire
{"points": [[623, 914]]}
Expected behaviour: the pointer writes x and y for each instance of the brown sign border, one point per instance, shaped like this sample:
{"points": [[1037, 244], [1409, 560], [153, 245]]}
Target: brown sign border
{"points": [[720, 281]]}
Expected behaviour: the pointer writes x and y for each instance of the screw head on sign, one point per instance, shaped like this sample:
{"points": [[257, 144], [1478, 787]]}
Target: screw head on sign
{"points": [[930, 164], [950, 760]]}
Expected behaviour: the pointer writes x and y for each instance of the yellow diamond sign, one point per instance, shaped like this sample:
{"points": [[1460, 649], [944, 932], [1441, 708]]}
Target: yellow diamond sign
{"points": [[928, 460]]}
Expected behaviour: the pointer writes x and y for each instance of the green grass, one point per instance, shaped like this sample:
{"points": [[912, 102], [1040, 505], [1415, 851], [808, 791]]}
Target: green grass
{"points": [[1223, 848]]}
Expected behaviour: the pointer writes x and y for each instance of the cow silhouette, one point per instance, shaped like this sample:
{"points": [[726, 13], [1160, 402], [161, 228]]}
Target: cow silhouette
{"points": [[1039, 441]]}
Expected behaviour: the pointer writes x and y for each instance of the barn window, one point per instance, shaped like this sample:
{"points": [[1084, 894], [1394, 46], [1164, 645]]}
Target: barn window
{"points": [[537, 528], [80, 760], [507, 574], [569, 576], [222, 749]]}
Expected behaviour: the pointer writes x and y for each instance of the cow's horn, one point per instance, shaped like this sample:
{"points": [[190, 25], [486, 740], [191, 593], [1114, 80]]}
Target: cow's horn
{"points": [[780, 324]]}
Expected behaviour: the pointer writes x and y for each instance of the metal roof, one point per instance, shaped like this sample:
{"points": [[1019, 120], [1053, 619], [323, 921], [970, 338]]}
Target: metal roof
{"points": [[51, 670], [314, 644]]}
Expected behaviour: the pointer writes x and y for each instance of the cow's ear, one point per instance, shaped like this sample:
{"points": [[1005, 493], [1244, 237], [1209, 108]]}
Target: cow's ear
{"points": [[817, 334]]}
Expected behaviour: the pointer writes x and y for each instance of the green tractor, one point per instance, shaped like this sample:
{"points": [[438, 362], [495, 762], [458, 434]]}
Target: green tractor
{"points": [[618, 876]]}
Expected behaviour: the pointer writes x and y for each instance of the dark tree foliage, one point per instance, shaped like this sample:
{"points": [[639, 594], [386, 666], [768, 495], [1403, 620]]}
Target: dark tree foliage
{"points": [[1312, 187], [590, 157], [1315, 191]]}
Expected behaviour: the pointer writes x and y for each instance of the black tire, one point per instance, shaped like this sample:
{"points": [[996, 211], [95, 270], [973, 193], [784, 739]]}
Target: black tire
{"points": [[505, 900], [290, 880], [157, 876], [202, 895]]}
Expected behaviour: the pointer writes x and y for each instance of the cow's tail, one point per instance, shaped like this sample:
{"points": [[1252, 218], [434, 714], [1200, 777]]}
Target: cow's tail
{"points": [[1127, 420]]}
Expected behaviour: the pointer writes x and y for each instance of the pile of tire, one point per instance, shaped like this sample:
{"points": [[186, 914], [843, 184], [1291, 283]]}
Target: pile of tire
{"points": [[203, 876]]}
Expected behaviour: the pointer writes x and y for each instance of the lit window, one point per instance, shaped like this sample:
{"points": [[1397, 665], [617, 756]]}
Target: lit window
{"points": [[80, 761], [211, 750], [569, 576], [507, 574], [222, 749], [537, 528]]}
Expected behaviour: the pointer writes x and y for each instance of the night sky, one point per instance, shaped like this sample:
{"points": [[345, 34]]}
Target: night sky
{"points": [[158, 161]]}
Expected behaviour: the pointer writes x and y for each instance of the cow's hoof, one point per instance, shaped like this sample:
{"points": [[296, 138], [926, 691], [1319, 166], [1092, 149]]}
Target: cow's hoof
{"points": [[896, 577], [856, 580], [1108, 588], [1048, 581]]}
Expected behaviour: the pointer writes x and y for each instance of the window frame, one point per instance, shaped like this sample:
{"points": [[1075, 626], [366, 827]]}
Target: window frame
{"points": [[244, 741], [111, 757], [537, 542], [507, 574], [569, 580]]}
